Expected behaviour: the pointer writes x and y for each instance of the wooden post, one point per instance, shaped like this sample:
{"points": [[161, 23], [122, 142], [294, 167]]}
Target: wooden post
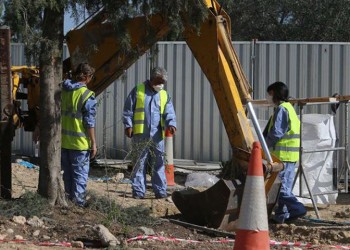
{"points": [[6, 110]]}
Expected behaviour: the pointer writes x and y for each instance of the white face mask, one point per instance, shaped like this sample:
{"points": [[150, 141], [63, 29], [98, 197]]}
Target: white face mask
{"points": [[269, 99], [158, 87]]}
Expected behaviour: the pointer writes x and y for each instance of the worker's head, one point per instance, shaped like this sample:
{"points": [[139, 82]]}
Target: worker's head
{"points": [[158, 78], [278, 92], [84, 73]]}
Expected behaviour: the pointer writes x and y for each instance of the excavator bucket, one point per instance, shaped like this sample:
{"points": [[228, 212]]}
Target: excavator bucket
{"points": [[217, 206], [214, 207]]}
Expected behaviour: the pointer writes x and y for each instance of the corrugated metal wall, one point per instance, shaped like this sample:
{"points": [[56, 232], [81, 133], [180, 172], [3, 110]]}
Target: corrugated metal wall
{"points": [[310, 69], [201, 134]]}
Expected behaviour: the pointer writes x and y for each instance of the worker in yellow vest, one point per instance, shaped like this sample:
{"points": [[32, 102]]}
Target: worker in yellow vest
{"points": [[148, 111], [282, 135], [78, 132]]}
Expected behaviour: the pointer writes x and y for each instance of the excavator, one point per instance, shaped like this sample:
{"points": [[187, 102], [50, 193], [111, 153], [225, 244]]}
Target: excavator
{"points": [[218, 206]]}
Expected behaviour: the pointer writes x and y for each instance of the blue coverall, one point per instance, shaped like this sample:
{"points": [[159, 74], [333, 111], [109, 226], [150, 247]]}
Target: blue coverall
{"points": [[288, 206], [149, 146], [76, 163]]}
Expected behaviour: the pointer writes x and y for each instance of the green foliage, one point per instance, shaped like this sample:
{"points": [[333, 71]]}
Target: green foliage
{"points": [[175, 12], [328, 21], [82, 9], [323, 20], [254, 19], [1, 13], [25, 17], [290, 20]]}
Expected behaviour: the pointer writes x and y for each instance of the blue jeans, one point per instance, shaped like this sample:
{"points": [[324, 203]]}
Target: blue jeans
{"points": [[152, 153], [288, 207], [76, 165]]}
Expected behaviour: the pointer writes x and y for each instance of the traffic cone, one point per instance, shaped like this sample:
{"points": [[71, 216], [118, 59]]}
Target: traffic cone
{"points": [[169, 160], [252, 227]]}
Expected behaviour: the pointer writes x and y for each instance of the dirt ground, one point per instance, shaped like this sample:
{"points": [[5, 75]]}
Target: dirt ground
{"points": [[76, 224]]}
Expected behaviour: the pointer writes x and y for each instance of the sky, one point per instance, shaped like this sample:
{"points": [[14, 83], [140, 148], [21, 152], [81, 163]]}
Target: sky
{"points": [[68, 22]]}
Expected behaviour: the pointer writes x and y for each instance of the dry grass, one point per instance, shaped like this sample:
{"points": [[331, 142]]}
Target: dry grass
{"points": [[28, 205]]}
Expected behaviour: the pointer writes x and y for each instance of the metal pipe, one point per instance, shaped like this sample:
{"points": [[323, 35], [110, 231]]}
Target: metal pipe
{"points": [[258, 132], [317, 194], [300, 170], [310, 192], [345, 167], [252, 62], [346, 146], [319, 103], [323, 150]]}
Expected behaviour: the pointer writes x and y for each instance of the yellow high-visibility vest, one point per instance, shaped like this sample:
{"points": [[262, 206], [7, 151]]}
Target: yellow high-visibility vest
{"points": [[74, 134], [287, 148], [139, 112]]}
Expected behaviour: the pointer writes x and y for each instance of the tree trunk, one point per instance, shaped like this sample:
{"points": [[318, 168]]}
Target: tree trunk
{"points": [[50, 178]]}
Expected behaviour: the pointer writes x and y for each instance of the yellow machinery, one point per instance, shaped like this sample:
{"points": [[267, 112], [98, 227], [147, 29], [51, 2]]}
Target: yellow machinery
{"points": [[95, 42], [27, 77]]}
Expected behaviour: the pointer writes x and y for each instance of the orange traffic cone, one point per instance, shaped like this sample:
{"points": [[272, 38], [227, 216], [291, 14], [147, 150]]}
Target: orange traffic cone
{"points": [[169, 160], [252, 227]]}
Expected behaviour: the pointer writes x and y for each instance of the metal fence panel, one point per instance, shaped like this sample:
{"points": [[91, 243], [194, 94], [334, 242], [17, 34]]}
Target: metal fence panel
{"points": [[201, 134], [310, 70], [109, 127]]}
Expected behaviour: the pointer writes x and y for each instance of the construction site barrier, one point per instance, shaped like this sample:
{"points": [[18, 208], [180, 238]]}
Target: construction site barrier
{"points": [[271, 242], [169, 158], [252, 225]]}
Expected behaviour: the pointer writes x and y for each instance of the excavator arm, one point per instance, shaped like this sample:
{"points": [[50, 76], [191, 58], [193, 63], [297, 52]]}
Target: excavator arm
{"points": [[214, 52], [96, 42]]}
